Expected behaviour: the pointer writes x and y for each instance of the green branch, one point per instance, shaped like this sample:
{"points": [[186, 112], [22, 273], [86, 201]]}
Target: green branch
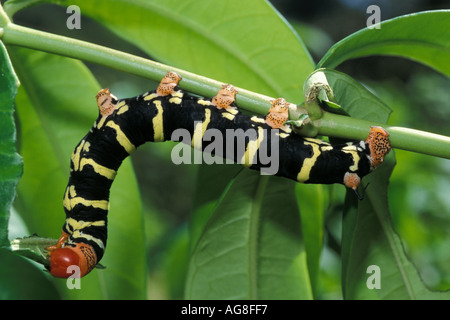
{"points": [[402, 138], [328, 124], [52, 43]]}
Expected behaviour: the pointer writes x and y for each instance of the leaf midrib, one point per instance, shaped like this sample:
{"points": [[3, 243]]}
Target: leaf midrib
{"points": [[391, 241], [253, 239]]}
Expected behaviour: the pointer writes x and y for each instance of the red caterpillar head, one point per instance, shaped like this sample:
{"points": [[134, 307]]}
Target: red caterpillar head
{"points": [[81, 255]]}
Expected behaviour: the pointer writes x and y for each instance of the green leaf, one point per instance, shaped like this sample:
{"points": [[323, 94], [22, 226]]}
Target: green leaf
{"points": [[246, 43], [312, 200], [21, 280], [10, 161], [34, 248], [368, 236], [209, 191], [423, 37], [56, 108], [255, 232], [369, 239]]}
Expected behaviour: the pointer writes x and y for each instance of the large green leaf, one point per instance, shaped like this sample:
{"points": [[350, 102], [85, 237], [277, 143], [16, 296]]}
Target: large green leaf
{"points": [[312, 200], [368, 236], [56, 109], [209, 190], [369, 239], [423, 37], [21, 280], [246, 43], [10, 161], [255, 233]]}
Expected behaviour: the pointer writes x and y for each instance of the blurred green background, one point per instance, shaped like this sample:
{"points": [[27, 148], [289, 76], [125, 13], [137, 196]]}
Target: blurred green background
{"points": [[420, 185]]}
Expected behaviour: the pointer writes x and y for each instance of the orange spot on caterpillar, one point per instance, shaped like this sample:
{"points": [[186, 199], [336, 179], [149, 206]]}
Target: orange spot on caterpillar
{"points": [[379, 145], [168, 84], [106, 102], [225, 97], [278, 113]]}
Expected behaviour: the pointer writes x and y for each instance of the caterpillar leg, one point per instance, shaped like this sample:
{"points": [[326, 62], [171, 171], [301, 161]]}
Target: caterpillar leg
{"points": [[379, 145], [63, 256], [168, 84], [278, 115], [225, 98], [60, 243], [352, 180], [106, 102]]}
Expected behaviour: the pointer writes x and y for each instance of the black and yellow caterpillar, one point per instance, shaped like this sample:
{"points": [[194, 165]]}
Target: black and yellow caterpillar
{"points": [[123, 125]]}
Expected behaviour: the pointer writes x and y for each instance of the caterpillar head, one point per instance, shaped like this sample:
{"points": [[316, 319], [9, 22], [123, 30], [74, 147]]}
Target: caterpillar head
{"points": [[65, 261]]}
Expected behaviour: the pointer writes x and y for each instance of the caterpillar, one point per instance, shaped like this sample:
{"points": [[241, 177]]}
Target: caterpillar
{"points": [[124, 124]]}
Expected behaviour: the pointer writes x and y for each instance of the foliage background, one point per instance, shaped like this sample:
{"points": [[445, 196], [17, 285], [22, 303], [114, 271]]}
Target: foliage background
{"points": [[418, 188]]}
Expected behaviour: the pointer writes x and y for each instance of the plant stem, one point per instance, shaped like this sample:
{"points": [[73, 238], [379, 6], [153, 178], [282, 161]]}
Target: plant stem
{"points": [[329, 124], [335, 125], [52, 43]]}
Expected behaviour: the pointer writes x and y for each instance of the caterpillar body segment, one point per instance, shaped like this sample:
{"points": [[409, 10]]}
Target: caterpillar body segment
{"points": [[214, 126]]}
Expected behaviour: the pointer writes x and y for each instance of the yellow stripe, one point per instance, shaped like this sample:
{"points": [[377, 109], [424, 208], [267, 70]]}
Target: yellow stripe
{"points": [[101, 122], [121, 137], [252, 148], [70, 203], [204, 102], [353, 151], [175, 100], [80, 224], [308, 163], [282, 135], [257, 119], [72, 191], [176, 97], [199, 131], [232, 110], [158, 130], [66, 201], [122, 109], [104, 171], [228, 116], [151, 96], [86, 146], [76, 155], [178, 94], [80, 234]]}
